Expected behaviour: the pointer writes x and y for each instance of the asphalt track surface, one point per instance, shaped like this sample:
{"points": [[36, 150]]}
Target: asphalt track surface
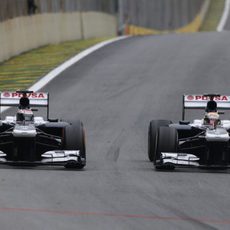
{"points": [[116, 91]]}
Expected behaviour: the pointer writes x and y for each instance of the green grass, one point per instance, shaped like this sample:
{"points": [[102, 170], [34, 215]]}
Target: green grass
{"points": [[213, 16], [22, 71]]}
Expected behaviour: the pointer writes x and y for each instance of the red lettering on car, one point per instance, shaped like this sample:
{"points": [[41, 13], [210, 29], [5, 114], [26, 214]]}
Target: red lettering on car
{"points": [[225, 98], [41, 95]]}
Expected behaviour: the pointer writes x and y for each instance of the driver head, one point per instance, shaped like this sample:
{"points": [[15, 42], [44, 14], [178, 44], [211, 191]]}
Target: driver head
{"points": [[212, 118]]}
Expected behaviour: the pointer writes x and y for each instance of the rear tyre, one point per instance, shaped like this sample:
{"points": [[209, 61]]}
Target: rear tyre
{"points": [[167, 141], [152, 137], [75, 140]]}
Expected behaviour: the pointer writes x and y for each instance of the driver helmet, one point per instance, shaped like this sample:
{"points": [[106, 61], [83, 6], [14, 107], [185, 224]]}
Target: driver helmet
{"points": [[25, 115], [212, 118]]}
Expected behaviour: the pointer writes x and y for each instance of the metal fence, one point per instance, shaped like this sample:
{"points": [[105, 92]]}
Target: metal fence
{"points": [[15, 8], [159, 14]]}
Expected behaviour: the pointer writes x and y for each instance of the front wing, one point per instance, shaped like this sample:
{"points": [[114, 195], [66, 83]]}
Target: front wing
{"points": [[56, 157], [185, 160]]}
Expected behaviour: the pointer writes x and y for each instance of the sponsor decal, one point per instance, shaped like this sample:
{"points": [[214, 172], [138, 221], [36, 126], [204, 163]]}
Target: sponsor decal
{"points": [[205, 98], [190, 98], [37, 95], [6, 94]]}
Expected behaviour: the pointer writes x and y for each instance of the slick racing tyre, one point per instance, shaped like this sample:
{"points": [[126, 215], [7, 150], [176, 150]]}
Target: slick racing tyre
{"points": [[75, 140], [152, 136], [167, 142]]}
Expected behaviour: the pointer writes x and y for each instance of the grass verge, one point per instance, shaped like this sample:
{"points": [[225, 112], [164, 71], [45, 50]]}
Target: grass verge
{"points": [[22, 71], [213, 16]]}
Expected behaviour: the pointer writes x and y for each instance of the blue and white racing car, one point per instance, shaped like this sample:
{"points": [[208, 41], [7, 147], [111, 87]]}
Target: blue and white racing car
{"points": [[202, 143], [30, 140]]}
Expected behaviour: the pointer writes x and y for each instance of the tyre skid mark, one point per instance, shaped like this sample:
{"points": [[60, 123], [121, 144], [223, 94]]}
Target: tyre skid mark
{"points": [[114, 150]]}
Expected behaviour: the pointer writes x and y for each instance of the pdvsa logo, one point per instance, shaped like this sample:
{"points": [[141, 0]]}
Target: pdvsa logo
{"points": [[29, 95], [206, 98]]}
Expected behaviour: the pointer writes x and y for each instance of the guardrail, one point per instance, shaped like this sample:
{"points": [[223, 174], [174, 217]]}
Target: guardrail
{"points": [[15, 8], [55, 21], [153, 16]]}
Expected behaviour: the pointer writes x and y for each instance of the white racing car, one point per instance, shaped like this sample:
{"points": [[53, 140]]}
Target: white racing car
{"points": [[30, 140], [202, 143]]}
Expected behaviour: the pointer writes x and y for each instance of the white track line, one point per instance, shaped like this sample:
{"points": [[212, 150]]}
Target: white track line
{"points": [[224, 16], [55, 72]]}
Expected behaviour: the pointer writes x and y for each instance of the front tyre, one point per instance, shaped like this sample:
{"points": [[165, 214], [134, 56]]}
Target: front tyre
{"points": [[167, 142], [152, 137], [75, 140]]}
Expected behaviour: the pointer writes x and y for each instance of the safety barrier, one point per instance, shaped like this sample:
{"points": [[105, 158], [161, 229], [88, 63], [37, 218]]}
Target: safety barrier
{"points": [[161, 16], [25, 33], [16, 8], [28, 24]]}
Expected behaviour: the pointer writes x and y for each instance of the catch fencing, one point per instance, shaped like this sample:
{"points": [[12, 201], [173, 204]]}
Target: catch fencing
{"points": [[153, 14], [16, 8], [159, 14]]}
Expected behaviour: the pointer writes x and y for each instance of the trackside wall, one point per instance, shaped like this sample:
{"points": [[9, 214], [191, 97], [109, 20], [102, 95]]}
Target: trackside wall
{"points": [[157, 16], [53, 21], [28, 32]]}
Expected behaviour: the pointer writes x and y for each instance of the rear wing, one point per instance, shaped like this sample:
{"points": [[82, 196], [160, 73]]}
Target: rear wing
{"points": [[200, 102], [37, 99]]}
